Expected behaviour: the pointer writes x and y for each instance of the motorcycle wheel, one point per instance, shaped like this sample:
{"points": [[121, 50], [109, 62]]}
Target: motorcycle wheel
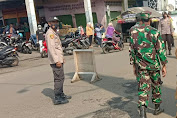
{"points": [[70, 53], [43, 54], [29, 51], [15, 63], [121, 45], [105, 50]]}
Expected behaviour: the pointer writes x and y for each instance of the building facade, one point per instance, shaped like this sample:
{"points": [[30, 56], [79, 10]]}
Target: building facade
{"points": [[74, 13]]}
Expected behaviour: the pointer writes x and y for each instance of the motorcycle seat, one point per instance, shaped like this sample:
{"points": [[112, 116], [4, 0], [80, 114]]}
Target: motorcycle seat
{"points": [[7, 48], [66, 40]]}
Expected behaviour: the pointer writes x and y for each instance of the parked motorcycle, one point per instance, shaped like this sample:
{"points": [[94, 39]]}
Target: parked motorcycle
{"points": [[6, 38], [108, 44], [23, 46], [68, 45], [34, 43], [9, 56], [86, 40], [95, 39], [44, 52], [2, 45]]}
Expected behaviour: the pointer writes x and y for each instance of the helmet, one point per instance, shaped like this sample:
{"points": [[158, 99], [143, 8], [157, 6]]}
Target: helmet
{"points": [[20, 35], [52, 19], [39, 26]]}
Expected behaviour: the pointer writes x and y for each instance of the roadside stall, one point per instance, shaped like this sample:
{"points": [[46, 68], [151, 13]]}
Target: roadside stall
{"points": [[127, 19], [66, 29]]}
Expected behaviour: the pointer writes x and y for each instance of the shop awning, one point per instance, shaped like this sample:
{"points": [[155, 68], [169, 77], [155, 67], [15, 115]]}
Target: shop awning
{"points": [[136, 10], [130, 15]]}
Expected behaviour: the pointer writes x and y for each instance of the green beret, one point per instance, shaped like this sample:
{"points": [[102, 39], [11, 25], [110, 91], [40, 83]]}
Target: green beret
{"points": [[145, 15]]}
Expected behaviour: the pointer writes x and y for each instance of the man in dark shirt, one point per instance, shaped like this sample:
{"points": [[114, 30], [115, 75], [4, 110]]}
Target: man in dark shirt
{"points": [[40, 33]]}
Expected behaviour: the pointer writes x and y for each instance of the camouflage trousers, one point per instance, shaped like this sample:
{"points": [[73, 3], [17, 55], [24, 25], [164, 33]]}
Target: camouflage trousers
{"points": [[147, 80]]}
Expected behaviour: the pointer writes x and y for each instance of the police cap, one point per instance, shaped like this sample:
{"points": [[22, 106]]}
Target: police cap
{"points": [[52, 19]]}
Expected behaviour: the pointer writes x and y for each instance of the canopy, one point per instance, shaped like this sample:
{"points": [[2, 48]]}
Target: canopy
{"points": [[136, 10], [130, 15]]}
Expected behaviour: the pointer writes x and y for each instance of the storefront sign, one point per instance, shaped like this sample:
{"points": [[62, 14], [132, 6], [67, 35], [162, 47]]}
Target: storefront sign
{"points": [[69, 6], [129, 17]]}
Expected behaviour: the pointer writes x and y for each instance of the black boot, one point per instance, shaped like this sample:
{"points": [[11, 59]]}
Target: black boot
{"points": [[170, 52], [143, 112], [59, 100], [158, 110], [65, 96]]}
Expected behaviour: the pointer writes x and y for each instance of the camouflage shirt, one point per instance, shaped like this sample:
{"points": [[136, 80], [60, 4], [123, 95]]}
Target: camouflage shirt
{"points": [[147, 49]]}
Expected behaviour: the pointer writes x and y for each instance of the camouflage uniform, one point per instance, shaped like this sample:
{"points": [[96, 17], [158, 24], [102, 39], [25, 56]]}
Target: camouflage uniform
{"points": [[147, 50]]}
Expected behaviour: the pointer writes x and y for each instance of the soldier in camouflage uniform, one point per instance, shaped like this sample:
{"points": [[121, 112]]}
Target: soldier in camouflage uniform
{"points": [[147, 50]]}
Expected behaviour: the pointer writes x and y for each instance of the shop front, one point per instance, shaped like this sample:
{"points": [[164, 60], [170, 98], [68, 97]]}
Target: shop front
{"points": [[15, 15], [73, 13]]}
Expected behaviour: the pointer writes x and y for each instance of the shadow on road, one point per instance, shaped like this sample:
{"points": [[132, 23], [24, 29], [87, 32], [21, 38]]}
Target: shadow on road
{"points": [[173, 57], [126, 101], [48, 92]]}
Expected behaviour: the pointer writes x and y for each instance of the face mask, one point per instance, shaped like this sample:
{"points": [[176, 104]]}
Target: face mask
{"points": [[55, 25]]}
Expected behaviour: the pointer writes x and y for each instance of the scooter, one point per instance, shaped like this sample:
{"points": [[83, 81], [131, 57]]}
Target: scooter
{"points": [[44, 52], [95, 39], [23, 46], [9, 56], [68, 45], [34, 43], [108, 44], [2, 45]]}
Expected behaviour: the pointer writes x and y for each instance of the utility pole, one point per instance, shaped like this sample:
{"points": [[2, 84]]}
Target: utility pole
{"points": [[125, 4], [109, 13], [88, 11], [31, 16]]}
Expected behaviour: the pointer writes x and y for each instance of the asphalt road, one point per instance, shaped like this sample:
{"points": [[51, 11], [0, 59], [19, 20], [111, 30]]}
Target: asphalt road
{"points": [[27, 91]]}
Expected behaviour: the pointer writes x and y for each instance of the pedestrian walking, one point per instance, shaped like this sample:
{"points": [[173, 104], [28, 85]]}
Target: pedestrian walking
{"points": [[147, 50], [55, 55], [89, 33], [166, 29], [98, 29]]}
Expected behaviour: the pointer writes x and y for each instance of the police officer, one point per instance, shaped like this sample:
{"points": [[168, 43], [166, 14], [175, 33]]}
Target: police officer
{"points": [[55, 55], [147, 50], [167, 31]]}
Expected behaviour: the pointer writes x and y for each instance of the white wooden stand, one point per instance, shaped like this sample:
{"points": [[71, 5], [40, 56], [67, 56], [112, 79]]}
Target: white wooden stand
{"points": [[85, 65]]}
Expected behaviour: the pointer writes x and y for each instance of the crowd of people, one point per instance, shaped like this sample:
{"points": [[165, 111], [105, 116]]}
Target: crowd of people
{"points": [[99, 31], [13, 28]]}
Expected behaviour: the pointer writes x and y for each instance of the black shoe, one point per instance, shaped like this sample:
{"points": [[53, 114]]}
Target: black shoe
{"points": [[65, 96], [158, 110], [59, 100], [173, 45], [143, 112], [170, 52]]}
